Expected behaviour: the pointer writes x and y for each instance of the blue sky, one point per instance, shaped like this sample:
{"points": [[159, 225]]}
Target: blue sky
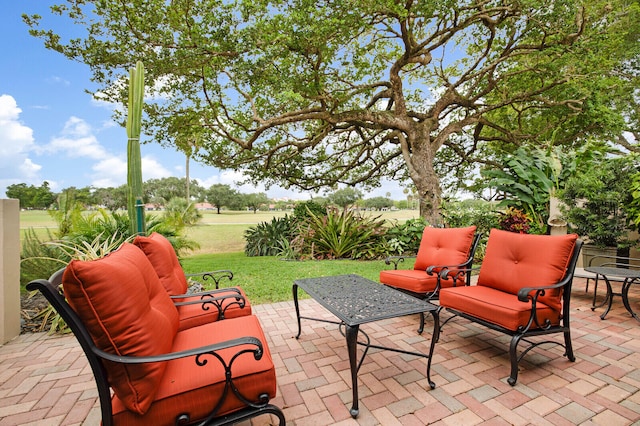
{"points": [[51, 129]]}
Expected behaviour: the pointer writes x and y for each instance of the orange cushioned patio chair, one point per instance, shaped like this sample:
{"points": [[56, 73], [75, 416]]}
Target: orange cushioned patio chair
{"points": [[147, 371], [196, 308], [523, 290], [443, 253]]}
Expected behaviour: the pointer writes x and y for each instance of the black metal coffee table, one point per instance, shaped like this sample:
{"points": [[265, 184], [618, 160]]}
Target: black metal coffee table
{"points": [[356, 300]]}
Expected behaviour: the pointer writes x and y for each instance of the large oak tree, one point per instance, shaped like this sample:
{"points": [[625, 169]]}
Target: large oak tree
{"points": [[315, 93]]}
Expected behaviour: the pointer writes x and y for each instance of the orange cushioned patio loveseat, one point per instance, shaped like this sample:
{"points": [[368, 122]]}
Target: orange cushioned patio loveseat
{"points": [[523, 289], [148, 371]]}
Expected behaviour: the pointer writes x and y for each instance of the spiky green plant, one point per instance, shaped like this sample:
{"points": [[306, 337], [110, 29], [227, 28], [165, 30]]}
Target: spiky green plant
{"points": [[343, 234], [265, 239]]}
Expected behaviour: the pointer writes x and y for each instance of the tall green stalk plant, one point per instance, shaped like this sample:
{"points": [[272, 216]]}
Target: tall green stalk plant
{"points": [[134, 159]]}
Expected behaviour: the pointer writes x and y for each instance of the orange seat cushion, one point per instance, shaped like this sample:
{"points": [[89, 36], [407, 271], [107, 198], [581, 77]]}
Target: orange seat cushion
{"points": [[195, 390], [414, 280], [439, 246], [513, 261], [126, 310], [165, 261], [495, 306], [230, 306]]}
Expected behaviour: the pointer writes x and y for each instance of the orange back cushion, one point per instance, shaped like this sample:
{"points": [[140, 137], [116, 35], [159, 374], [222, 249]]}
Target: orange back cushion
{"points": [[163, 257], [444, 246], [126, 310], [513, 261]]}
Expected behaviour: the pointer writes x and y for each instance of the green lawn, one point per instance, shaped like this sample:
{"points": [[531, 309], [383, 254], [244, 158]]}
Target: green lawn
{"points": [[268, 279]]}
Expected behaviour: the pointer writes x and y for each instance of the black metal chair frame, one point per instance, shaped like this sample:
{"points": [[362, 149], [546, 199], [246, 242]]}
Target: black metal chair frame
{"points": [[533, 328], [209, 297], [51, 289], [463, 269]]}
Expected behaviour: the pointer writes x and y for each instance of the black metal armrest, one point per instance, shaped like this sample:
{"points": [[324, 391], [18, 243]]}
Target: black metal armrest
{"points": [[203, 350], [445, 268], [444, 272], [216, 276], [524, 293], [225, 292], [396, 260], [208, 297]]}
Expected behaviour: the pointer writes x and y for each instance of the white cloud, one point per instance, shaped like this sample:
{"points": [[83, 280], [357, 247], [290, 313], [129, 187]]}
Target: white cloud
{"points": [[228, 177], [59, 80], [109, 172], [112, 171], [152, 169], [76, 141], [16, 142]]}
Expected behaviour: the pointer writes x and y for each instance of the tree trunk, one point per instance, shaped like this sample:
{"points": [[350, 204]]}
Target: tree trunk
{"points": [[429, 201], [425, 178], [187, 173]]}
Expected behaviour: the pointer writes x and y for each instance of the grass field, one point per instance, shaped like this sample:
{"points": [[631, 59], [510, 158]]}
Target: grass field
{"points": [[216, 233]]}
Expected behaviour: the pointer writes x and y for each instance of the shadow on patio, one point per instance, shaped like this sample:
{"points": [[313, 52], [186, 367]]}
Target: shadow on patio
{"points": [[46, 379]]}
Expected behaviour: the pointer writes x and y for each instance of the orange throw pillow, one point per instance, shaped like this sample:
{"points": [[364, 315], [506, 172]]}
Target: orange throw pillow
{"points": [[163, 257], [126, 310]]}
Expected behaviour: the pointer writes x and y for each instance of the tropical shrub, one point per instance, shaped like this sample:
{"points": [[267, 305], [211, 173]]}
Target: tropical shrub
{"points": [[39, 260], [404, 238], [304, 210], [600, 200], [514, 220], [41, 257], [342, 234], [482, 214], [86, 237], [268, 238], [180, 213], [527, 178], [634, 205], [49, 318]]}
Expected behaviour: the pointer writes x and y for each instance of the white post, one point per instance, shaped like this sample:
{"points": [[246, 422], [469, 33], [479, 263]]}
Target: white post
{"points": [[9, 269]]}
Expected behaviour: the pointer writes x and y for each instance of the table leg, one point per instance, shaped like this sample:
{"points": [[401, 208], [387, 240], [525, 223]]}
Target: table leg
{"points": [[609, 297], [434, 338], [295, 302], [595, 293], [351, 334], [625, 297]]}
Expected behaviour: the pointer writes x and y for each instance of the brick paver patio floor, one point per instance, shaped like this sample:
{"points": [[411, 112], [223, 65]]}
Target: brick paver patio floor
{"points": [[45, 380]]}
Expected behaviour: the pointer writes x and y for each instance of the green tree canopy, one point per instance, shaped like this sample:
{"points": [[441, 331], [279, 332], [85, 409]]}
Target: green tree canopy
{"points": [[161, 191], [311, 94], [221, 195], [32, 197], [111, 198], [256, 200], [344, 197], [378, 203]]}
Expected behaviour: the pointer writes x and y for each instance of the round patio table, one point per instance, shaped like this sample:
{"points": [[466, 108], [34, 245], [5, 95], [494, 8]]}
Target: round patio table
{"points": [[609, 273]]}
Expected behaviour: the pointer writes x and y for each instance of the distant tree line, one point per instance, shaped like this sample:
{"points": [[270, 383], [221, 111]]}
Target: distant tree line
{"points": [[159, 192]]}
